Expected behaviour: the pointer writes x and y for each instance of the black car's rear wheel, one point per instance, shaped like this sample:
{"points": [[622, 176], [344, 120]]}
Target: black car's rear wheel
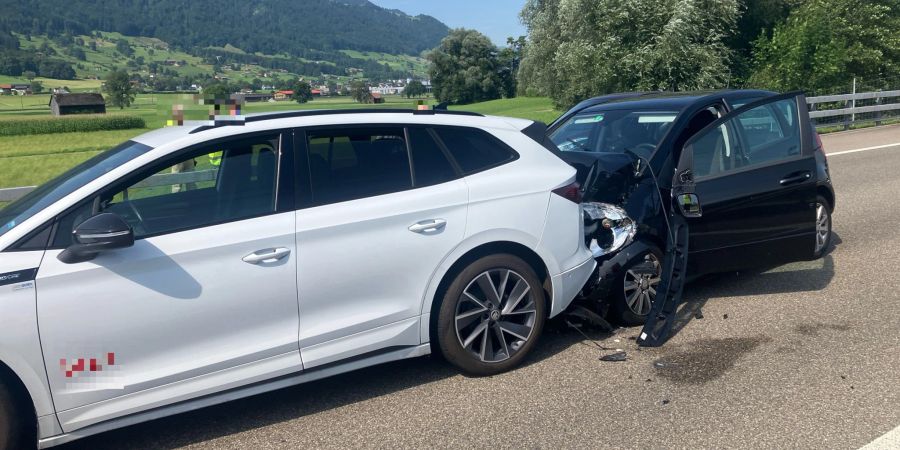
{"points": [[823, 226]]}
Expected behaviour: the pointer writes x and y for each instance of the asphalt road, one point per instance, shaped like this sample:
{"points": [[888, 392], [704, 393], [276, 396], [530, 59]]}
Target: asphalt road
{"points": [[806, 355]]}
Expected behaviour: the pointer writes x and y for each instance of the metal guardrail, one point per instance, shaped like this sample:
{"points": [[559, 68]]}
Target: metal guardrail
{"points": [[880, 106], [160, 179]]}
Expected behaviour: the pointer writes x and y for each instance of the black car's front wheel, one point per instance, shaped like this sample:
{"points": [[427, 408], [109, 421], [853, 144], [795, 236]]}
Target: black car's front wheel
{"points": [[491, 315], [634, 291]]}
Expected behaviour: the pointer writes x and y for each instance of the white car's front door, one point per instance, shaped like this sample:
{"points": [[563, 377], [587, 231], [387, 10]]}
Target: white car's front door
{"points": [[194, 307]]}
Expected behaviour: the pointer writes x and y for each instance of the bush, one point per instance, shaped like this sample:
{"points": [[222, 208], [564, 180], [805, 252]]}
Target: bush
{"points": [[69, 124]]}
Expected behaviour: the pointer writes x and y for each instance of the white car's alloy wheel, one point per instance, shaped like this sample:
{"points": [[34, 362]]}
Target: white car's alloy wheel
{"points": [[495, 315]]}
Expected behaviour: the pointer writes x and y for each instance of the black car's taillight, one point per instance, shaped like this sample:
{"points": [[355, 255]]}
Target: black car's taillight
{"points": [[571, 192]]}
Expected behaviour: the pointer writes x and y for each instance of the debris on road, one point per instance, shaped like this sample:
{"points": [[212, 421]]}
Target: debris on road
{"points": [[578, 329], [587, 316], [725, 316], [698, 315], [614, 357]]}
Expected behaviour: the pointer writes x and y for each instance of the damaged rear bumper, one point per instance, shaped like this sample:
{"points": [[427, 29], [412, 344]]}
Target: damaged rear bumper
{"points": [[566, 285]]}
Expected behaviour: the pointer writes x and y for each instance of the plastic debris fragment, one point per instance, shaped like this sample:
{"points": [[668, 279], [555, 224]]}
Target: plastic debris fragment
{"points": [[614, 357]]}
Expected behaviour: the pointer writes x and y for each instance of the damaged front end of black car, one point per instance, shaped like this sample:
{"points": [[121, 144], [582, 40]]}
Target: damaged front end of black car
{"points": [[625, 228], [648, 166]]}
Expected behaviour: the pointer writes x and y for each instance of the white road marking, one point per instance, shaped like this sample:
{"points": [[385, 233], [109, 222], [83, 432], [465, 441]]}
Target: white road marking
{"points": [[863, 149], [890, 441]]}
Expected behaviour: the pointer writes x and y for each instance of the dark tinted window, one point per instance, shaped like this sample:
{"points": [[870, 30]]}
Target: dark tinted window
{"points": [[348, 164], [430, 164], [474, 149]]}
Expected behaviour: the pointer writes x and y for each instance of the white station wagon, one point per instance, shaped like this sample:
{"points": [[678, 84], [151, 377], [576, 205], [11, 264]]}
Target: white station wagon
{"points": [[201, 263]]}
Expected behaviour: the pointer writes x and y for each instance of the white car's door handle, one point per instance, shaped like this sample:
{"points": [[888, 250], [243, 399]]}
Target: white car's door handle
{"points": [[427, 226], [268, 255]]}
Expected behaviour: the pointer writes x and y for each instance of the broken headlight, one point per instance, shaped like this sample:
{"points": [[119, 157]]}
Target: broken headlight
{"points": [[607, 228]]}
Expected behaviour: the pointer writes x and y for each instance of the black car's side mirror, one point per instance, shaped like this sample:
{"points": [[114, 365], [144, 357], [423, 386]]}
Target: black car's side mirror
{"points": [[105, 231], [689, 204]]}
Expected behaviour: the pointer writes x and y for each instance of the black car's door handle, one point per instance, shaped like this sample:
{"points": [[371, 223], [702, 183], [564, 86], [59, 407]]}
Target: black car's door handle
{"points": [[795, 178]]}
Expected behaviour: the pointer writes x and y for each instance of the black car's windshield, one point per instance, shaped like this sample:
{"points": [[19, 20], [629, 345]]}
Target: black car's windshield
{"points": [[614, 131], [76, 178]]}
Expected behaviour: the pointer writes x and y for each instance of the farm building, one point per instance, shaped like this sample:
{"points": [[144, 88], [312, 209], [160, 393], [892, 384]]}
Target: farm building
{"points": [[283, 95], [15, 89], [251, 97], [63, 104], [377, 98]]}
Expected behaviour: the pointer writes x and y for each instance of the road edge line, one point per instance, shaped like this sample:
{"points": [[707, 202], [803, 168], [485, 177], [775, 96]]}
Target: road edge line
{"points": [[887, 441], [877, 147]]}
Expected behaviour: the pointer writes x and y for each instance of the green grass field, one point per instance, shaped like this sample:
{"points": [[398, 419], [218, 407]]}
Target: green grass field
{"points": [[34, 159]]}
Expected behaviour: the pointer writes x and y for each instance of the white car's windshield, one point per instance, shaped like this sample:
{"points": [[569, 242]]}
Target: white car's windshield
{"points": [[76, 178], [613, 131]]}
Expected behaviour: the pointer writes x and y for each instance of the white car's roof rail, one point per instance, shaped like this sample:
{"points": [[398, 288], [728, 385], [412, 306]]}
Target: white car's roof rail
{"points": [[325, 112]]}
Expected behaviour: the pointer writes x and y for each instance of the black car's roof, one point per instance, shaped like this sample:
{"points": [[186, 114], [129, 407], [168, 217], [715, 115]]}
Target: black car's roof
{"points": [[670, 101]]}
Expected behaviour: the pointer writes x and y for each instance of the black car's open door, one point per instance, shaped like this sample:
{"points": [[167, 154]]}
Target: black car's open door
{"points": [[743, 196]]}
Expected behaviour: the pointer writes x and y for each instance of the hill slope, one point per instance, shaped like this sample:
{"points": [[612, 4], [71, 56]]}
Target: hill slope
{"points": [[288, 27]]}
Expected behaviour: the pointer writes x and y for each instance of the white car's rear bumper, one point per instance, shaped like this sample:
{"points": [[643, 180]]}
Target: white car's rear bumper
{"points": [[567, 284]]}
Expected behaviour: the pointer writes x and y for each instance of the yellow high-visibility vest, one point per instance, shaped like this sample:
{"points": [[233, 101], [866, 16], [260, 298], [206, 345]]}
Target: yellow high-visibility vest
{"points": [[215, 158]]}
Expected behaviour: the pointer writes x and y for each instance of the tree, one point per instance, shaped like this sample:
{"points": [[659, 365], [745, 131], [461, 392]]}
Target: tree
{"points": [[119, 89], [216, 91], [415, 88], [29, 75], [510, 58], [360, 91], [465, 68], [78, 53], [302, 92], [123, 47], [825, 43], [582, 48], [37, 87], [758, 18]]}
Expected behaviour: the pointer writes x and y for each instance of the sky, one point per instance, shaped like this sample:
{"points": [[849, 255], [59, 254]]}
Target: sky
{"points": [[498, 19]]}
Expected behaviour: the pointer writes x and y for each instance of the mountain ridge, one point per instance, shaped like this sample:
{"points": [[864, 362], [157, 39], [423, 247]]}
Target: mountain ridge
{"points": [[291, 27]]}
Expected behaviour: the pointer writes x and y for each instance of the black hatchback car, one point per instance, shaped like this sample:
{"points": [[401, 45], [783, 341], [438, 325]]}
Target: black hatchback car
{"points": [[745, 168]]}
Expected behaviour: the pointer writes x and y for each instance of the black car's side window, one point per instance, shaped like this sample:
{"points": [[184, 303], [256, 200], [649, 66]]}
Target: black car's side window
{"points": [[218, 183], [771, 132], [473, 149], [715, 151], [353, 163], [762, 135]]}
